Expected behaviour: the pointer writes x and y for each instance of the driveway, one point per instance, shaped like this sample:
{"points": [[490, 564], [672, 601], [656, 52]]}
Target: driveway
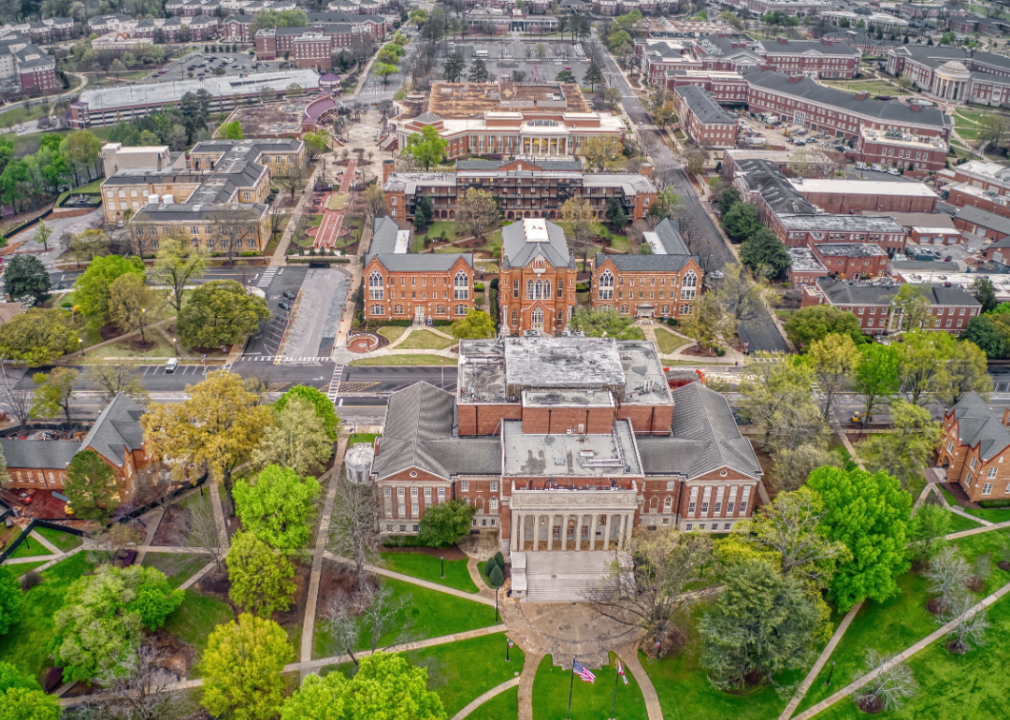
{"points": [[760, 333]]}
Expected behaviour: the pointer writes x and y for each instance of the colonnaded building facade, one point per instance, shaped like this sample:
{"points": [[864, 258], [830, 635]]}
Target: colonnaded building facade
{"points": [[564, 445]]}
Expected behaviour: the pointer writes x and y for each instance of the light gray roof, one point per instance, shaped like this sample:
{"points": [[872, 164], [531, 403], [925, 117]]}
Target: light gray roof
{"points": [[764, 178], [977, 424], [118, 427], [645, 263], [668, 231], [848, 292], [914, 219], [421, 262], [40, 454], [986, 219], [847, 223], [384, 230], [849, 249], [811, 47], [420, 433], [705, 438], [704, 106], [891, 110], [519, 252]]}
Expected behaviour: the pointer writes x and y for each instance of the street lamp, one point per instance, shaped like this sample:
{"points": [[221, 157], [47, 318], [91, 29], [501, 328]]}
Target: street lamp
{"points": [[830, 673], [442, 558], [496, 603], [81, 341]]}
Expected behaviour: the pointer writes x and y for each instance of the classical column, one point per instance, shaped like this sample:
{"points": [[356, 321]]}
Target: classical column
{"points": [[620, 531], [550, 532], [606, 534], [578, 532], [522, 533], [514, 541], [592, 531]]}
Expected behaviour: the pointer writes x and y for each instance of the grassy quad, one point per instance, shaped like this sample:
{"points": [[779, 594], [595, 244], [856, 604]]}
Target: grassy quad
{"points": [[505, 705], [25, 568], [356, 438], [404, 360], [428, 567], [178, 568], [424, 340], [36, 549], [194, 620], [959, 523], [668, 342], [992, 515], [63, 540], [425, 614], [392, 332], [589, 700]]}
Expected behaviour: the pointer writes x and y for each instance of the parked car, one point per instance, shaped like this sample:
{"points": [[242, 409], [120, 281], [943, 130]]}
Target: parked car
{"points": [[947, 259], [284, 306], [288, 294]]}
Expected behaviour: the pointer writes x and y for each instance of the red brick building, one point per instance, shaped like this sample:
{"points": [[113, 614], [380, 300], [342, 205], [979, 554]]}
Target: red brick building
{"points": [[951, 308], [845, 196], [663, 283], [404, 286], [703, 119], [536, 289], [563, 444], [974, 445], [804, 268], [810, 230], [305, 47], [851, 260], [982, 223], [812, 58]]}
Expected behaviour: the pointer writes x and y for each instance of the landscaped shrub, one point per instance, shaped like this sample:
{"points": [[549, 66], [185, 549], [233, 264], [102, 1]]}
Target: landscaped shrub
{"points": [[478, 287], [581, 287], [994, 504], [395, 323], [499, 559], [496, 577], [672, 322]]}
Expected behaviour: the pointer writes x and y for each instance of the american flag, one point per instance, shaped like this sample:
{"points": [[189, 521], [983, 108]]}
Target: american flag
{"points": [[620, 671], [583, 672]]}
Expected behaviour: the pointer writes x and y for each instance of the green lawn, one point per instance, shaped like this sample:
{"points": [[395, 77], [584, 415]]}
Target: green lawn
{"points": [[951, 687], [162, 348], [889, 627], [26, 644], [668, 342], [959, 523], [425, 614], [505, 705], [22, 568], [621, 244], [19, 115], [991, 514], [405, 360], [392, 332], [633, 332], [462, 671], [974, 546], [589, 700], [915, 486], [64, 541], [178, 568], [427, 567], [195, 618], [355, 438], [424, 340], [24, 550], [685, 691], [437, 228]]}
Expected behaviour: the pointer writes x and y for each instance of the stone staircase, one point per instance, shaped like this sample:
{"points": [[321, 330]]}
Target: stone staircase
{"points": [[556, 577]]}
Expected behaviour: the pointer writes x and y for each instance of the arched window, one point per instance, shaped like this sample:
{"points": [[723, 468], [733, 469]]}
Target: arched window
{"points": [[539, 292], [607, 285], [689, 287], [691, 280], [537, 318], [375, 286], [667, 504], [529, 289], [494, 504], [461, 286], [547, 289]]}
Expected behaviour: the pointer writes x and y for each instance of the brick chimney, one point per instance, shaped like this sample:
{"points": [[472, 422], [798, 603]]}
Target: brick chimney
{"points": [[916, 107], [646, 169], [862, 95], [782, 41], [798, 78], [388, 166], [1006, 417]]}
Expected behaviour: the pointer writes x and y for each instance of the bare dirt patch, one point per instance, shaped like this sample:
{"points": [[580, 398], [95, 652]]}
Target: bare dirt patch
{"points": [[872, 705], [174, 527], [109, 332]]}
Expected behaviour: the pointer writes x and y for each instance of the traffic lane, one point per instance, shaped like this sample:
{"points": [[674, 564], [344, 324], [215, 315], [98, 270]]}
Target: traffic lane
{"points": [[394, 373], [267, 341]]}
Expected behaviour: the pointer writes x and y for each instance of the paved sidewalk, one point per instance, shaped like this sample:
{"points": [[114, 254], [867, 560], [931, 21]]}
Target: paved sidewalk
{"points": [[152, 529], [279, 258], [901, 657], [45, 543], [630, 658], [482, 589], [493, 692], [194, 579], [533, 659], [822, 660]]}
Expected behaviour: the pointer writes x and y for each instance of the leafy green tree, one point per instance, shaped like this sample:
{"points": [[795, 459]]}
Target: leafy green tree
{"points": [[877, 378], [53, 392], [453, 69], [233, 131], [810, 324], [316, 143], [104, 615], [383, 71], [37, 337], [603, 322], [668, 204], [775, 394], [11, 598], [426, 147], [91, 486], [765, 254], [984, 291], [616, 215], [906, 450], [386, 687], [25, 277], [926, 531], [445, 523], [22, 698], [793, 466], [476, 325], [296, 440], [986, 335], [94, 286], [869, 514], [177, 263], [133, 305], [566, 77], [965, 371], [261, 577], [617, 39], [220, 313], [279, 507], [923, 356], [912, 306], [322, 404], [423, 213], [741, 222], [834, 361], [241, 669], [729, 197], [761, 624]]}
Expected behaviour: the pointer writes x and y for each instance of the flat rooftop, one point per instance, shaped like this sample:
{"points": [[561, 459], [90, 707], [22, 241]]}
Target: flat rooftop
{"points": [[272, 119], [567, 398], [563, 363], [849, 223], [463, 100], [610, 455], [862, 187], [803, 260]]}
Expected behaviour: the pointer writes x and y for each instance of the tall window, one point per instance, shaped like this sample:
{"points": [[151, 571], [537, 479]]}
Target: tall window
{"points": [[607, 285], [375, 286], [538, 318], [547, 289], [461, 286], [689, 287], [529, 289]]}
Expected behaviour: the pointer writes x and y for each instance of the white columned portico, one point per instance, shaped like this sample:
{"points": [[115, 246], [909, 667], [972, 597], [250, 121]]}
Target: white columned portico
{"points": [[578, 532], [550, 532], [522, 533], [516, 521], [592, 532], [607, 534]]}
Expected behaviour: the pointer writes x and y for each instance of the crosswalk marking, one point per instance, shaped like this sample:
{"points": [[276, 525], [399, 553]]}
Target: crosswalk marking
{"points": [[268, 276], [334, 388], [284, 359]]}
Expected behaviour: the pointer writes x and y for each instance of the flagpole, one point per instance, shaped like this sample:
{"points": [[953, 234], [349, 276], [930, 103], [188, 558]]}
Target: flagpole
{"points": [[571, 684], [613, 710]]}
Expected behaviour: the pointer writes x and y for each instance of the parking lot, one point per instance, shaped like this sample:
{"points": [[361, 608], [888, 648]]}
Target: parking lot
{"points": [[504, 56], [202, 64]]}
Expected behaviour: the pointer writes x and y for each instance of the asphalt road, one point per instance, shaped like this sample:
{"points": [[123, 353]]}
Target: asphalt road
{"points": [[760, 333], [64, 279], [287, 279]]}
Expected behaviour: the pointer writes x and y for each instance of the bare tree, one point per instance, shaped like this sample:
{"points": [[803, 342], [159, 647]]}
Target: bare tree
{"points": [[205, 534], [354, 533], [890, 685], [19, 402], [114, 538], [113, 379], [341, 614], [970, 625], [648, 595], [379, 609], [947, 574], [138, 688]]}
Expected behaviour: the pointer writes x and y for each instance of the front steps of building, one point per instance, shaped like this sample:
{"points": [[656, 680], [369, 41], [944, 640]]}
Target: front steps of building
{"points": [[556, 577]]}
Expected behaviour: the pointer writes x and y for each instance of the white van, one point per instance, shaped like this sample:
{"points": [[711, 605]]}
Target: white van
{"points": [[171, 365]]}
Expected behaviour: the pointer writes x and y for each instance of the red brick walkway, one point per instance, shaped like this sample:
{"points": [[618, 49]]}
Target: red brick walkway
{"points": [[329, 231]]}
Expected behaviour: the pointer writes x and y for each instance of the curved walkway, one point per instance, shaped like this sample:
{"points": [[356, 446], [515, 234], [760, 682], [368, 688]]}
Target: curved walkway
{"points": [[493, 692], [533, 659], [629, 656]]}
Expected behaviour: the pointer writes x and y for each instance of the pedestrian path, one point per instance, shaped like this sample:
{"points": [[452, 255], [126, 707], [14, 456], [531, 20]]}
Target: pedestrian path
{"points": [[630, 658], [533, 659], [492, 693], [333, 220], [334, 389], [267, 277], [279, 359]]}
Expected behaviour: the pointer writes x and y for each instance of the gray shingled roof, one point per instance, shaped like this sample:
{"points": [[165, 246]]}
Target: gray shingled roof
{"points": [[704, 106], [848, 292], [116, 429], [424, 262], [41, 454], [988, 220], [705, 438], [419, 433], [519, 252], [645, 263], [764, 178], [384, 232], [668, 231], [978, 425]]}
